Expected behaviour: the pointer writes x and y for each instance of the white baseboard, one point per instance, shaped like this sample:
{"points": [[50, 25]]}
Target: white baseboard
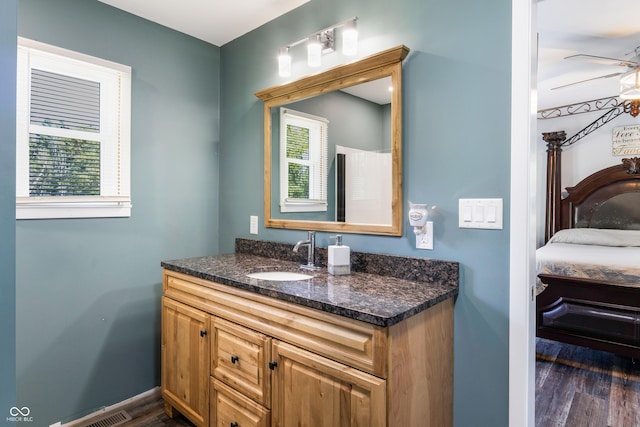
{"points": [[154, 391]]}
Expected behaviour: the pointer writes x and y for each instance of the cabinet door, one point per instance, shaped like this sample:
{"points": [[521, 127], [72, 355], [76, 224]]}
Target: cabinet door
{"points": [[311, 390], [240, 358], [231, 409], [185, 360]]}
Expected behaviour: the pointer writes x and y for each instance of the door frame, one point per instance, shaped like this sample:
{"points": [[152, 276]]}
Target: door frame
{"points": [[523, 215]]}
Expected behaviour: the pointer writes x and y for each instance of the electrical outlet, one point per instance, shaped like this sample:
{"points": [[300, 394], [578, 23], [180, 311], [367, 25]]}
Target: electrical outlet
{"points": [[253, 224], [425, 240]]}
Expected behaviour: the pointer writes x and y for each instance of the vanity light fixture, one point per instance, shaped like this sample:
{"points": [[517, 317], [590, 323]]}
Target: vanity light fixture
{"points": [[314, 49], [319, 43], [284, 62], [350, 38]]}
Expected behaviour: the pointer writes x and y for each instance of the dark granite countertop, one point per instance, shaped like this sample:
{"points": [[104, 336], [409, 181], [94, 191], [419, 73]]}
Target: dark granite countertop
{"points": [[381, 300]]}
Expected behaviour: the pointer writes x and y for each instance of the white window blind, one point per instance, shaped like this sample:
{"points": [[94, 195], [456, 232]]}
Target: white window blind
{"points": [[73, 134], [303, 162]]}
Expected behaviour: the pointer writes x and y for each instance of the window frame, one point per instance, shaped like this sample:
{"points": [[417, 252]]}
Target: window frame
{"points": [[317, 162], [114, 135]]}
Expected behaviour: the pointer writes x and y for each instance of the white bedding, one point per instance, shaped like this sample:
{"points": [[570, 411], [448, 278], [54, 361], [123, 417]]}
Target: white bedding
{"points": [[611, 255]]}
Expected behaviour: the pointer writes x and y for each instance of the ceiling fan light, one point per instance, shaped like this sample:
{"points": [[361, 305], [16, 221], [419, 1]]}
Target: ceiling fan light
{"points": [[630, 84]]}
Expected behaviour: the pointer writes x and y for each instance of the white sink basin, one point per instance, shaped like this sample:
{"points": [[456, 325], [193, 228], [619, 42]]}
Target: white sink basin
{"points": [[279, 276]]}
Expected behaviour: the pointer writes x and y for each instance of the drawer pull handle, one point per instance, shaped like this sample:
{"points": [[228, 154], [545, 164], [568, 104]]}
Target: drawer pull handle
{"points": [[234, 359], [233, 424], [273, 365], [203, 333]]}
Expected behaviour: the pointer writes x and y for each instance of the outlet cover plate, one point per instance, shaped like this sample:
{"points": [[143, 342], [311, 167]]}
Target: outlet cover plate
{"points": [[425, 241], [253, 224]]}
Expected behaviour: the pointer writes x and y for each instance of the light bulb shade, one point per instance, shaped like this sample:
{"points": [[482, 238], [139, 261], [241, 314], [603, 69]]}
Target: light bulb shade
{"points": [[350, 38], [630, 84], [284, 62], [314, 51]]}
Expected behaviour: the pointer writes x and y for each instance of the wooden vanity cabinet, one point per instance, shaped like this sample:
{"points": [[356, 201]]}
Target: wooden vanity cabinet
{"points": [[275, 363]]}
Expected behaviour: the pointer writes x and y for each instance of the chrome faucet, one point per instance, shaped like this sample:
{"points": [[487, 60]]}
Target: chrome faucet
{"points": [[311, 251]]}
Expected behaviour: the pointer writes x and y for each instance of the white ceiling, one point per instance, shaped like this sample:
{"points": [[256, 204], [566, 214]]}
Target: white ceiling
{"points": [[609, 28], [214, 21]]}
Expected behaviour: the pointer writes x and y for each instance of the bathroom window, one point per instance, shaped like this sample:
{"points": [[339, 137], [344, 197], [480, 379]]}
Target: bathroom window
{"points": [[303, 162], [73, 134]]}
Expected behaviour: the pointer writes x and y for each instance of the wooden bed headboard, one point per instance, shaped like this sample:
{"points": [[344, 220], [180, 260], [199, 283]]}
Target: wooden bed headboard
{"points": [[608, 198]]}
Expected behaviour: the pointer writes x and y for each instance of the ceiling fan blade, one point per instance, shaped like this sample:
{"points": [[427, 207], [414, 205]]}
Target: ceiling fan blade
{"points": [[603, 60], [606, 76]]}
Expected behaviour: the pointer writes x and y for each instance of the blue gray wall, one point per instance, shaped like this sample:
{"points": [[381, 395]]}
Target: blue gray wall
{"points": [[88, 290], [8, 31], [456, 144]]}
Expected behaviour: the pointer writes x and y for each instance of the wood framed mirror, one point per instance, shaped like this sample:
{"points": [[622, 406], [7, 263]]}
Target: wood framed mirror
{"points": [[352, 183]]}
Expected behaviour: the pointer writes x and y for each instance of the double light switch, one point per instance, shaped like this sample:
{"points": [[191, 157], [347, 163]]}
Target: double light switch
{"points": [[480, 213]]}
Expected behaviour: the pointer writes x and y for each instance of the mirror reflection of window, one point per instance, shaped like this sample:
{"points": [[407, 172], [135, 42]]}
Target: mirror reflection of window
{"points": [[303, 160]]}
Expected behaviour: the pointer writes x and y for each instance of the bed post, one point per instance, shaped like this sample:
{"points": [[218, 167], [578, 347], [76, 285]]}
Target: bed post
{"points": [[554, 142]]}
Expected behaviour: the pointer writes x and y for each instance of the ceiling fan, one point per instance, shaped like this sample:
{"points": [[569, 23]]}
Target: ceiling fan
{"points": [[629, 78]]}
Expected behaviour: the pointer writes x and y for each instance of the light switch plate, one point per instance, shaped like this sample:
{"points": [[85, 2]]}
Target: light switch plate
{"points": [[480, 213]]}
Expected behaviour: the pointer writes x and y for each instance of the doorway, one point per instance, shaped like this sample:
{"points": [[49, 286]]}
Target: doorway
{"points": [[523, 216]]}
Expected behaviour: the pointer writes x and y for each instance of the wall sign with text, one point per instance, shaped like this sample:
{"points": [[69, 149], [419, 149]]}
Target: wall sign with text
{"points": [[626, 140]]}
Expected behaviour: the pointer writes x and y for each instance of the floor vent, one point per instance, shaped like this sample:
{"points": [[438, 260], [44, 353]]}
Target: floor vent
{"points": [[108, 420]]}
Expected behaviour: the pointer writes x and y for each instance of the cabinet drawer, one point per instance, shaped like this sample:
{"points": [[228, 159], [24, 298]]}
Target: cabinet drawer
{"points": [[230, 408], [240, 358], [358, 344]]}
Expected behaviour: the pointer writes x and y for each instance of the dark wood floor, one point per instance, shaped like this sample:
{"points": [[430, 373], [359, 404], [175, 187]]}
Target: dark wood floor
{"points": [[580, 387]]}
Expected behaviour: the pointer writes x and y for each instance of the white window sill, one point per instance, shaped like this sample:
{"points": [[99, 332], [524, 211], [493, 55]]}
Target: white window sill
{"points": [[303, 207], [73, 210]]}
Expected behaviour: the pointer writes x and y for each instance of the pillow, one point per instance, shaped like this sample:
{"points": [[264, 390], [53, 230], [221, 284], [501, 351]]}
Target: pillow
{"points": [[597, 236]]}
